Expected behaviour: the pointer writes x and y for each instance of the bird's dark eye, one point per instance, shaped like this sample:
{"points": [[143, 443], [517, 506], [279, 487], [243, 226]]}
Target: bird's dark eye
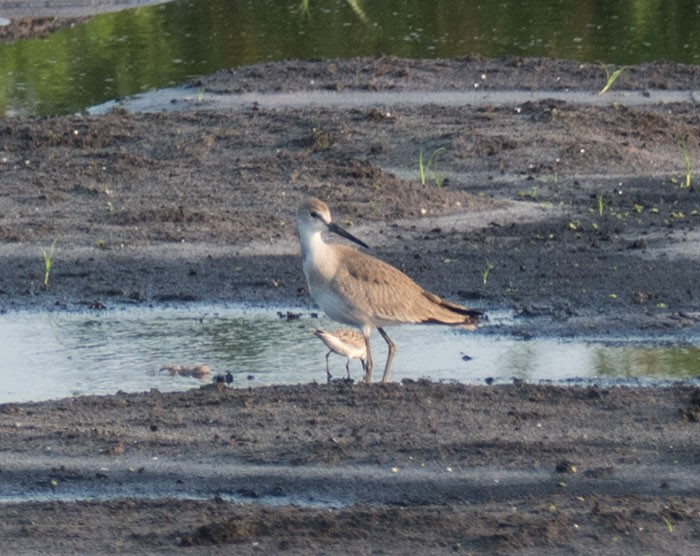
{"points": [[314, 214]]}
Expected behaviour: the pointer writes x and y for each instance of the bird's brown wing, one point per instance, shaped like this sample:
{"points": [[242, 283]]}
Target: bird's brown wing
{"points": [[389, 295]]}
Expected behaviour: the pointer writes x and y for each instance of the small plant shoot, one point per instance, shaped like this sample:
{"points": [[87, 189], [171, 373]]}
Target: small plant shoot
{"points": [[688, 164], [610, 78], [48, 262], [601, 205], [485, 273], [432, 165]]}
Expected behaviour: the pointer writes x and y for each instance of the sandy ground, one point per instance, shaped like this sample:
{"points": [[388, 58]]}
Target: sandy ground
{"points": [[577, 210]]}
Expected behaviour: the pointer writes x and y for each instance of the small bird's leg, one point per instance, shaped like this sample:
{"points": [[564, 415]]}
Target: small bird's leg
{"points": [[364, 365], [347, 368], [390, 357], [328, 371], [368, 364]]}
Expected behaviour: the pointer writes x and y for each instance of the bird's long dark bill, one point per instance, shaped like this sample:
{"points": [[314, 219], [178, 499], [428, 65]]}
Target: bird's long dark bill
{"points": [[341, 232]]}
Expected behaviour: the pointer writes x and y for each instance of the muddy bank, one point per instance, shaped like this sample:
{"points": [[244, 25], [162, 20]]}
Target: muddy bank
{"points": [[517, 469], [578, 212], [65, 9], [31, 19]]}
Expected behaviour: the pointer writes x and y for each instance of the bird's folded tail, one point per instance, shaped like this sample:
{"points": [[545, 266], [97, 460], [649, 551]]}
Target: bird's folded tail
{"points": [[472, 317]]}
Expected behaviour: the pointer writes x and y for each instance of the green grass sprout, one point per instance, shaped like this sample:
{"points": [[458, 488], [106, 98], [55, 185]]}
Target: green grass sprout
{"points": [[688, 163], [438, 176], [432, 165], [48, 262], [485, 273], [610, 78]]}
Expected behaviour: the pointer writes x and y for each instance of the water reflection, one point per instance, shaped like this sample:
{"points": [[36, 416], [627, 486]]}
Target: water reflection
{"points": [[63, 354], [124, 53], [659, 362]]}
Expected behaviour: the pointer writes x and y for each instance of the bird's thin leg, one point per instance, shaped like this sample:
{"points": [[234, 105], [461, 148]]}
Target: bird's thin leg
{"points": [[328, 371], [364, 364], [368, 365], [347, 368], [390, 357]]}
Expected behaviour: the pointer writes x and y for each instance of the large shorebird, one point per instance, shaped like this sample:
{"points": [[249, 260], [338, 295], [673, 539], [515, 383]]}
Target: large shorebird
{"points": [[357, 289]]}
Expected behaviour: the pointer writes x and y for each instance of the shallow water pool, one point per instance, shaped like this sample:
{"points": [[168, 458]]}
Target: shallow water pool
{"points": [[59, 354], [132, 51]]}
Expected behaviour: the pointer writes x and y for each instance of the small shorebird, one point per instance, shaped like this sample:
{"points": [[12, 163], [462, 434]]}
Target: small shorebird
{"points": [[343, 341], [360, 290]]}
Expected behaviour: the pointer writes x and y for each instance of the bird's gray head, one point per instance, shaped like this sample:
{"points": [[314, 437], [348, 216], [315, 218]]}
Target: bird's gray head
{"points": [[314, 213], [314, 216]]}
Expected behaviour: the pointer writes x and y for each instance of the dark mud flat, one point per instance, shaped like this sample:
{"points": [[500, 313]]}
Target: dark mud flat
{"points": [[577, 210], [400, 468]]}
